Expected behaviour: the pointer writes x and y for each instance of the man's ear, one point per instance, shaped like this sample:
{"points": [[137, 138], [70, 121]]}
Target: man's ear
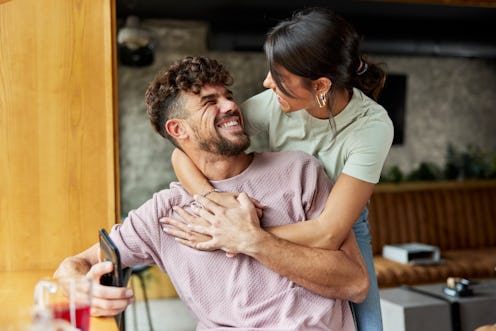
{"points": [[175, 128], [321, 85]]}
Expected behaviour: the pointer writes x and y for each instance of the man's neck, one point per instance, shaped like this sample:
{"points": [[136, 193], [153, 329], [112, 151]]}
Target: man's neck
{"points": [[217, 167]]}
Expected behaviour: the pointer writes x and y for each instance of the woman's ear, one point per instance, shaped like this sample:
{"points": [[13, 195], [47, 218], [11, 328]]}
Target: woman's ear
{"points": [[175, 128], [322, 85]]}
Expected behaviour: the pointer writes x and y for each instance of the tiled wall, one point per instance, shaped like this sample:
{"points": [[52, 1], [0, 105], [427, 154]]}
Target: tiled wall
{"points": [[449, 100]]}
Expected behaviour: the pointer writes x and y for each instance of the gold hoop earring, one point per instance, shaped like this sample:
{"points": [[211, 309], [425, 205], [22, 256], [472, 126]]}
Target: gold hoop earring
{"points": [[321, 100]]}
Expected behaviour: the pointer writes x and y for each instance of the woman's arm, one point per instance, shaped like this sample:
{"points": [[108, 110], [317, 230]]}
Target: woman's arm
{"points": [[193, 180], [346, 202], [188, 174]]}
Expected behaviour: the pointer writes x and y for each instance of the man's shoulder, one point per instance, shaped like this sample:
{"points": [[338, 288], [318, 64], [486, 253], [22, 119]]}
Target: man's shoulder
{"points": [[174, 195], [286, 154], [290, 158]]}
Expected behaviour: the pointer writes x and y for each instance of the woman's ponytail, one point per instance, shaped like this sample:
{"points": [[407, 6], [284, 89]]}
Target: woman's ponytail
{"points": [[370, 78]]}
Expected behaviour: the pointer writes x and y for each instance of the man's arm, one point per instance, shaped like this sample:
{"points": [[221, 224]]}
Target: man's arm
{"points": [[106, 300], [78, 265], [340, 274]]}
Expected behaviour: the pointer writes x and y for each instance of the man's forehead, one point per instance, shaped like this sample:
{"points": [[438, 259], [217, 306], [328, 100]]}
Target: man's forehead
{"points": [[213, 89], [207, 92]]}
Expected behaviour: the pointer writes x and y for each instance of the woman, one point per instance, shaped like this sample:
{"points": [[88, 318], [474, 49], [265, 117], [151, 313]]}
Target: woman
{"points": [[319, 99]]}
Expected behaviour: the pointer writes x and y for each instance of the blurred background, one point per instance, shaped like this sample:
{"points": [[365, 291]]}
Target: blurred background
{"points": [[440, 57]]}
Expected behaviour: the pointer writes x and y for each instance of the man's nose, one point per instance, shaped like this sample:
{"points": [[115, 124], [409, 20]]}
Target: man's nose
{"points": [[268, 81], [228, 105]]}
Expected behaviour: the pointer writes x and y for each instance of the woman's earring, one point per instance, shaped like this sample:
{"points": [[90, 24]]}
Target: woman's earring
{"points": [[321, 100]]}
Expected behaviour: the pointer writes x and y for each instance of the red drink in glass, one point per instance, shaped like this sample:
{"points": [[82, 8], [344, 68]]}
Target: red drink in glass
{"points": [[82, 315]]}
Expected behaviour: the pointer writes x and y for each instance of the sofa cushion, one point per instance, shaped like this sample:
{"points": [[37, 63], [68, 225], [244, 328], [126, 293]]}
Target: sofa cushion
{"points": [[466, 263]]}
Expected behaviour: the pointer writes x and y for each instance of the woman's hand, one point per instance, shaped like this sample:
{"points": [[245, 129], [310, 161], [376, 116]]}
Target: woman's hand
{"points": [[183, 231], [234, 230], [230, 200]]}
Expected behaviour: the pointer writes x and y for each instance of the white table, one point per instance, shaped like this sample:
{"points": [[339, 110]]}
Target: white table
{"points": [[468, 313], [404, 310], [426, 307]]}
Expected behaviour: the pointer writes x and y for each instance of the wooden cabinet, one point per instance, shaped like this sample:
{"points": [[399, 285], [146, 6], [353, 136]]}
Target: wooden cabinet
{"points": [[58, 129]]}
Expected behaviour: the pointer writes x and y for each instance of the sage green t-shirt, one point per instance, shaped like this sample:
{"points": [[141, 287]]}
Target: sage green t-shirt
{"points": [[358, 148]]}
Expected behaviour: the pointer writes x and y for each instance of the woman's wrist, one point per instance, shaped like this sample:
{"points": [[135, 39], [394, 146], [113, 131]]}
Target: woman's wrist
{"points": [[209, 191]]}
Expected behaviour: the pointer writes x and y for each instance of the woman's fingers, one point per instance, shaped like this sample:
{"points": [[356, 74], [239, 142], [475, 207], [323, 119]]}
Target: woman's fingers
{"points": [[245, 200], [186, 234], [224, 199], [247, 203], [257, 203], [233, 200], [174, 231], [195, 223], [208, 204], [216, 226], [202, 216]]}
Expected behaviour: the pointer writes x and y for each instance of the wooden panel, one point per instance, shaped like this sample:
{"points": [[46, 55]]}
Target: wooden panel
{"points": [[57, 129]]}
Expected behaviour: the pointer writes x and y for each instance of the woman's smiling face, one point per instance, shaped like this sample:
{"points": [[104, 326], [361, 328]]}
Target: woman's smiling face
{"points": [[301, 95]]}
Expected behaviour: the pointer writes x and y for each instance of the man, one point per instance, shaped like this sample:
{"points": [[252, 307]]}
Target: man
{"points": [[293, 287]]}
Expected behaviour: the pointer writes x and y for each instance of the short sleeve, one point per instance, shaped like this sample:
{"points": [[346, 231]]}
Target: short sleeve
{"points": [[138, 236], [368, 150], [256, 114], [316, 187]]}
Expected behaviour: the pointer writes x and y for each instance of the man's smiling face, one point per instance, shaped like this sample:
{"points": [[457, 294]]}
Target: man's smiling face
{"points": [[216, 121]]}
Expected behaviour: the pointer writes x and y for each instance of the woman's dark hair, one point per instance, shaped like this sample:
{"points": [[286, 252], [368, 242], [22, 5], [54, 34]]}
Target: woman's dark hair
{"points": [[189, 74], [318, 43]]}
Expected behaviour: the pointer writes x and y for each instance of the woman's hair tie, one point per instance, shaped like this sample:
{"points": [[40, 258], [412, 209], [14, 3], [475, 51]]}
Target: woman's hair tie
{"points": [[362, 68]]}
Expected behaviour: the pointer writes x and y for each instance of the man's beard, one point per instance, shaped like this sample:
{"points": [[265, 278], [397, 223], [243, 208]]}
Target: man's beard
{"points": [[222, 146]]}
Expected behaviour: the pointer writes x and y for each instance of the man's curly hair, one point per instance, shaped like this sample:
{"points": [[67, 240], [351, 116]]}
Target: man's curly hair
{"points": [[187, 75]]}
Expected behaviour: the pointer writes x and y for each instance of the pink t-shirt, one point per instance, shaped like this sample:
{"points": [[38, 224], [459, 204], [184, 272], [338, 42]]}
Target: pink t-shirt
{"points": [[239, 293]]}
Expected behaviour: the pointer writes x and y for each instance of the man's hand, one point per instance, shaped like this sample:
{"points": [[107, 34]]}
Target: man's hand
{"points": [[107, 300], [234, 230]]}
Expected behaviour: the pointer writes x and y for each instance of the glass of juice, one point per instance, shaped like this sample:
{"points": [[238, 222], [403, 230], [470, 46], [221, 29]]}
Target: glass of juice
{"points": [[67, 299]]}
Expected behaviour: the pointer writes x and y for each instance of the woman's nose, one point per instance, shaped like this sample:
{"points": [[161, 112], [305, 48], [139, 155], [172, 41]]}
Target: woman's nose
{"points": [[268, 81]]}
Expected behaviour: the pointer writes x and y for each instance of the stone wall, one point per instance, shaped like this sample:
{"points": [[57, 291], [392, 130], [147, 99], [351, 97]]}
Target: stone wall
{"points": [[449, 100]]}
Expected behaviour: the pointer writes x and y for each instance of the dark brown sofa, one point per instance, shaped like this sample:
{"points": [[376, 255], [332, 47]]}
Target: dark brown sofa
{"points": [[458, 217]]}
